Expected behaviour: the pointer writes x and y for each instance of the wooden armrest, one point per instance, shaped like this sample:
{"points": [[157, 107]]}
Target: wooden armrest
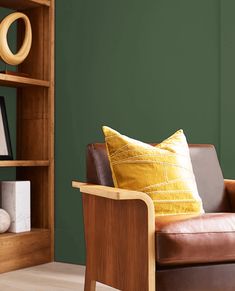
{"points": [[230, 189], [113, 193]]}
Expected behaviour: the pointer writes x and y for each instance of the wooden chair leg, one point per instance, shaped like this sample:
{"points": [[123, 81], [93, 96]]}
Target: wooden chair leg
{"points": [[90, 284]]}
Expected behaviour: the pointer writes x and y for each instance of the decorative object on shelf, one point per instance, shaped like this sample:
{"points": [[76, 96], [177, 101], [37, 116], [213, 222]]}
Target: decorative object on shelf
{"points": [[5, 221], [5, 53], [16, 201], [5, 142]]}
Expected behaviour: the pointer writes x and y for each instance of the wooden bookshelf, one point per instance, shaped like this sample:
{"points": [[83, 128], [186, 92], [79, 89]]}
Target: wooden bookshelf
{"points": [[34, 159]]}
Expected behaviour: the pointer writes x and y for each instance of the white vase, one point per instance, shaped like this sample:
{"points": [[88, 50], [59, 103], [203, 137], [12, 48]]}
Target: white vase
{"points": [[5, 221]]}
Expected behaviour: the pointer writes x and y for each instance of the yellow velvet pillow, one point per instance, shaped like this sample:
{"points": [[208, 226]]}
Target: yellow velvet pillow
{"points": [[163, 171]]}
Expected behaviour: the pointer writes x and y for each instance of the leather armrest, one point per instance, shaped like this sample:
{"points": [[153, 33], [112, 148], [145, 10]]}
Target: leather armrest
{"points": [[230, 190]]}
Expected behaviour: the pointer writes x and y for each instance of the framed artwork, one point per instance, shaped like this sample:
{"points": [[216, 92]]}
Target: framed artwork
{"points": [[5, 142]]}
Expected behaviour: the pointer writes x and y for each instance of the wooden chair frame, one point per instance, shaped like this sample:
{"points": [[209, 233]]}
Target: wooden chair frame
{"points": [[120, 238]]}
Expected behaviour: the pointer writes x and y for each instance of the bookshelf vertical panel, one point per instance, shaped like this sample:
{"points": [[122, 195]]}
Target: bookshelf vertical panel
{"points": [[51, 120], [34, 64], [32, 117], [32, 124], [32, 103]]}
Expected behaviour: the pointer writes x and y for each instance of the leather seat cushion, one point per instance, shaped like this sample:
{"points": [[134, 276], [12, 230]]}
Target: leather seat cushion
{"points": [[187, 239]]}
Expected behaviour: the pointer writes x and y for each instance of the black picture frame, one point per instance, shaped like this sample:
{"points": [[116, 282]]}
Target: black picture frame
{"points": [[5, 141]]}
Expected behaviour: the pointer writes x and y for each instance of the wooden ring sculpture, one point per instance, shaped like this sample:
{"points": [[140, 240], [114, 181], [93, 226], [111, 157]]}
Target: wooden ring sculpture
{"points": [[5, 53]]}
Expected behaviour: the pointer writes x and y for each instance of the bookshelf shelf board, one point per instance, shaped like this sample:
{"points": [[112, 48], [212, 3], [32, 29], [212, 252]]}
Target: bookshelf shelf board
{"points": [[24, 249], [23, 234], [24, 163], [23, 4], [18, 81]]}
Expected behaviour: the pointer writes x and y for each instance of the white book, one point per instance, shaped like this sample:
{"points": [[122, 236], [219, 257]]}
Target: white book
{"points": [[16, 201]]}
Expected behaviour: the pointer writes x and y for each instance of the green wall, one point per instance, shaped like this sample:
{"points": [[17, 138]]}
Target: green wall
{"points": [[146, 68], [227, 87]]}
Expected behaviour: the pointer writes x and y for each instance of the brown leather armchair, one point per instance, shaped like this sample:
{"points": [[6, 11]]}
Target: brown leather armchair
{"points": [[128, 249]]}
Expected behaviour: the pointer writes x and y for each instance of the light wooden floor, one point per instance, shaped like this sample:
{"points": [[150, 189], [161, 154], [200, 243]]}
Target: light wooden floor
{"points": [[48, 277]]}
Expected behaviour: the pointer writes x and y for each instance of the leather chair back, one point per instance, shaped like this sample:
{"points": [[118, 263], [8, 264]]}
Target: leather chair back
{"points": [[206, 168]]}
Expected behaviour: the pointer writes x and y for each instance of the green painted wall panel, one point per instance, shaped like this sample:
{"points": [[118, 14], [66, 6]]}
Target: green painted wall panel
{"points": [[146, 68], [227, 119]]}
